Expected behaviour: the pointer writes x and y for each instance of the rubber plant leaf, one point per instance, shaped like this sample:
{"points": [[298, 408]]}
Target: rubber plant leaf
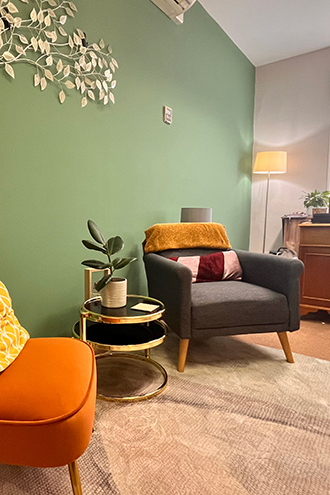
{"points": [[114, 244], [93, 245], [99, 265], [95, 232], [103, 282], [121, 262]]}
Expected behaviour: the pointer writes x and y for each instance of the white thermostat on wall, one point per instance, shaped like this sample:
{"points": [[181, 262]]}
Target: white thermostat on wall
{"points": [[167, 116]]}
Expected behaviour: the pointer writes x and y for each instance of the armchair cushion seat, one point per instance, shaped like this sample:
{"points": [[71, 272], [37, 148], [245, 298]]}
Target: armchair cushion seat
{"points": [[236, 304], [43, 404]]}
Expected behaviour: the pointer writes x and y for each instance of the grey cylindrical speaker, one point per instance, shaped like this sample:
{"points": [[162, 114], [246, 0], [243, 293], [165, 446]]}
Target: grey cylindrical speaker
{"points": [[196, 214]]}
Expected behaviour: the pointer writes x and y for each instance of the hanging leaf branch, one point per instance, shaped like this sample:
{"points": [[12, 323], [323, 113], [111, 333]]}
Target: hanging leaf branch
{"points": [[38, 35]]}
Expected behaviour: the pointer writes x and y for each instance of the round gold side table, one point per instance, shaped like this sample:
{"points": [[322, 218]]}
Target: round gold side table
{"points": [[116, 332]]}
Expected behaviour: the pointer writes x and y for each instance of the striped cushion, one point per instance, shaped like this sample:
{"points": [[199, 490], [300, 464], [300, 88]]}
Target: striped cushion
{"points": [[12, 335], [223, 265]]}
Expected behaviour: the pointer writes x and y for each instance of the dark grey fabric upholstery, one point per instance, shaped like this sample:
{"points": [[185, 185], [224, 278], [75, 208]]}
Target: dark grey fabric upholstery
{"points": [[266, 300]]}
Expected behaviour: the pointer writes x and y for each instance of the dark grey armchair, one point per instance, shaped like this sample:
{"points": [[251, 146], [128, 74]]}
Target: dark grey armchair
{"points": [[265, 300]]}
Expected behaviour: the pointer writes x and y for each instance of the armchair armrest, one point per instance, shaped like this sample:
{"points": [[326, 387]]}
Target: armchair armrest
{"points": [[276, 273], [170, 282]]}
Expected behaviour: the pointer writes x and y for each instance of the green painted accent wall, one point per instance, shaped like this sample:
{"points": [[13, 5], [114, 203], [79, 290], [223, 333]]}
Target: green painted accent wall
{"points": [[121, 166]]}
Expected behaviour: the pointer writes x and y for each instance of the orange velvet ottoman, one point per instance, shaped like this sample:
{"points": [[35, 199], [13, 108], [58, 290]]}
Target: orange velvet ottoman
{"points": [[47, 404]]}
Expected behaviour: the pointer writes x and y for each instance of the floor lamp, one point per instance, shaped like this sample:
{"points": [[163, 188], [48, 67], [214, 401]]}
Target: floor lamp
{"points": [[269, 162]]}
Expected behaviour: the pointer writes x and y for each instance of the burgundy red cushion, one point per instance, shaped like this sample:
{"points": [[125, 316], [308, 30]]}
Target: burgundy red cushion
{"points": [[223, 265]]}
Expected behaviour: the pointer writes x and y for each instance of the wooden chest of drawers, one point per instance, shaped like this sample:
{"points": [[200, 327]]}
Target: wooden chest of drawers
{"points": [[314, 251]]}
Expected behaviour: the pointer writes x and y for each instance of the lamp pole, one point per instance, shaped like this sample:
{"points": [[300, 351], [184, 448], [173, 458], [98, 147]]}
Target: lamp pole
{"points": [[266, 211]]}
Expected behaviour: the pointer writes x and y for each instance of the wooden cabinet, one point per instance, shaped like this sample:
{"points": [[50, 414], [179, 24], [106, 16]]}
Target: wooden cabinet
{"points": [[314, 251], [291, 231]]}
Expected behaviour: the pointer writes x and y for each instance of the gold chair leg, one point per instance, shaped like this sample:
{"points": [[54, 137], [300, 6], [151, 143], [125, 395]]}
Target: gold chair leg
{"points": [[184, 343], [75, 478], [283, 336]]}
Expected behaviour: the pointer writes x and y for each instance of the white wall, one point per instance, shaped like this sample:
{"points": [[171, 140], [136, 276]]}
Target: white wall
{"points": [[292, 113]]}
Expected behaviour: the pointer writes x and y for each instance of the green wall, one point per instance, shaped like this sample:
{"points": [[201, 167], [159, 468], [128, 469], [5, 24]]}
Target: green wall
{"points": [[121, 166]]}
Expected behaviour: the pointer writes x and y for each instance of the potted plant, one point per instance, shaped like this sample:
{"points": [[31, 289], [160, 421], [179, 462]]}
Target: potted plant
{"points": [[113, 290], [317, 200]]}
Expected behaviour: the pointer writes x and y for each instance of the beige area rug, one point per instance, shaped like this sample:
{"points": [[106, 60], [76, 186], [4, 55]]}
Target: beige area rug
{"points": [[240, 420]]}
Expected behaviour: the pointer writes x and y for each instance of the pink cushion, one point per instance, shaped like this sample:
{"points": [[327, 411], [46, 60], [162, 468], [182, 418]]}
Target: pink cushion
{"points": [[223, 265]]}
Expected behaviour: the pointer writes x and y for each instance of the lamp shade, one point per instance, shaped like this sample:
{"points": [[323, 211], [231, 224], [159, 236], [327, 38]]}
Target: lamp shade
{"points": [[273, 162], [196, 214]]}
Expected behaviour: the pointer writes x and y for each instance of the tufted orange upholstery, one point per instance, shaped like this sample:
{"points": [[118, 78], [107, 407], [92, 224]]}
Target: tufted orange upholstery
{"points": [[47, 403]]}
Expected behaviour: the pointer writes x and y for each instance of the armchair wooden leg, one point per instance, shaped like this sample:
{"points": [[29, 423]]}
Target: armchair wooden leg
{"points": [[184, 343], [283, 336], [75, 478]]}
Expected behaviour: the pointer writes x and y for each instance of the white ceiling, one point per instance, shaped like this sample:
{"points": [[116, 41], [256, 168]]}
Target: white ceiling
{"points": [[270, 30]]}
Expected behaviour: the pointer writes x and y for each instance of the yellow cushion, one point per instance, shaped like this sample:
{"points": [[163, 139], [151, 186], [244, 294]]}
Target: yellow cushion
{"points": [[12, 335], [162, 236]]}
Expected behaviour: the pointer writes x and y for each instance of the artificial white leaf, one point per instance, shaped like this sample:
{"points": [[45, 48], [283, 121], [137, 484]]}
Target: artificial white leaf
{"points": [[94, 63], [23, 39], [93, 85], [62, 31], [69, 84], [33, 15], [69, 12], [48, 20], [47, 47], [93, 55], [77, 81], [83, 101], [101, 94], [104, 62], [98, 84], [61, 96], [36, 79], [10, 18], [63, 19], [83, 50], [49, 75], [102, 45], [41, 45], [40, 16], [89, 66], [105, 86], [49, 34], [54, 36], [51, 13], [91, 94], [96, 47], [52, 3], [43, 83], [82, 87], [2, 26], [113, 84], [115, 62], [107, 73], [34, 43], [25, 1], [10, 70], [77, 39], [71, 43], [106, 99], [49, 60], [112, 67], [59, 66], [19, 49], [77, 66], [100, 63], [66, 71], [8, 56], [18, 22], [109, 49], [1, 42], [112, 97], [82, 61], [88, 81], [73, 7], [109, 78], [12, 8], [81, 33]]}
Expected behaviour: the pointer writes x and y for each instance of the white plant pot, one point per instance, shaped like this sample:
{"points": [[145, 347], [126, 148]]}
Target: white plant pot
{"points": [[114, 294]]}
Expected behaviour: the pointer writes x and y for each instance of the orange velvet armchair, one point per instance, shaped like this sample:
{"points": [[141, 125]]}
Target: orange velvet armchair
{"points": [[47, 405]]}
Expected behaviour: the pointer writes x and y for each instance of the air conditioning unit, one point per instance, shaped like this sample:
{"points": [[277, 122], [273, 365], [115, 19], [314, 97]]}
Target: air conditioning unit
{"points": [[174, 9]]}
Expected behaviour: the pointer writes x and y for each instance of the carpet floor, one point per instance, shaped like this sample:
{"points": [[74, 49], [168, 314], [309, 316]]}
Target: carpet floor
{"points": [[239, 421]]}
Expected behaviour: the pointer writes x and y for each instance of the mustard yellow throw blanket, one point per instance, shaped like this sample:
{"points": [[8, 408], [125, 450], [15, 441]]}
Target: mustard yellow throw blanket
{"points": [[163, 236], [12, 335]]}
